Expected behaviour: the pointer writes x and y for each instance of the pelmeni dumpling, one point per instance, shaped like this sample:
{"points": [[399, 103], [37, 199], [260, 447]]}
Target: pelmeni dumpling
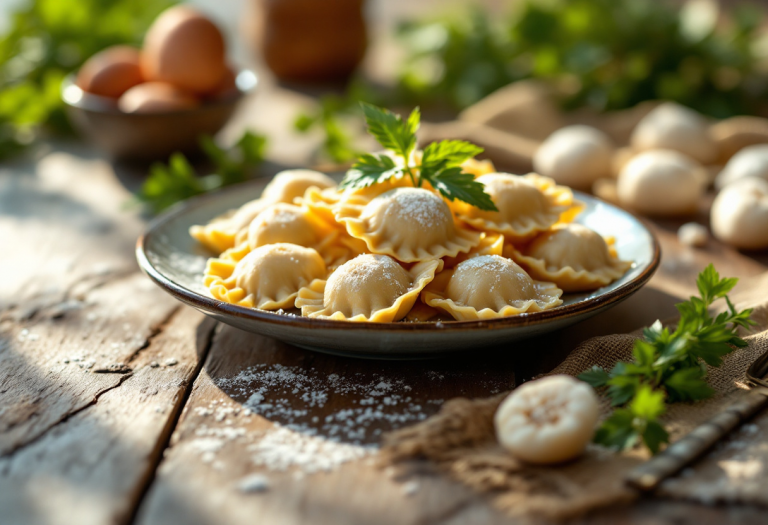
{"points": [[575, 156], [369, 288], [527, 205], [490, 244], [675, 127], [488, 287], [739, 214], [661, 182], [409, 224], [752, 161], [286, 223], [573, 257], [268, 277], [222, 232], [290, 184]]}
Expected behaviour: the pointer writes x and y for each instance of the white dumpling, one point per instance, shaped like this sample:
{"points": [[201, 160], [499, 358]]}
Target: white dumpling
{"points": [[661, 182], [268, 277], [527, 204], [409, 224], [752, 161], [573, 257], [290, 184], [487, 287], [285, 223], [739, 214], [368, 288], [575, 156], [675, 127]]}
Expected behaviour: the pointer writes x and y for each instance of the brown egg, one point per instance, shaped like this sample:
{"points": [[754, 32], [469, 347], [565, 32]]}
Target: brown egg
{"points": [[156, 97], [111, 72], [185, 49]]}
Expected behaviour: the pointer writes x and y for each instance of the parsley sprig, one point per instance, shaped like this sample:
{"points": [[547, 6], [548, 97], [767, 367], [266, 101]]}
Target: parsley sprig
{"points": [[440, 163], [669, 366]]}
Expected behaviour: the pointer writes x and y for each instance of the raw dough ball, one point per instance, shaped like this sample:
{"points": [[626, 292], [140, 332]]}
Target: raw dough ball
{"points": [[661, 182], [740, 214], [575, 156], [549, 420], [672, 126], [693, 234], [752, 161]]}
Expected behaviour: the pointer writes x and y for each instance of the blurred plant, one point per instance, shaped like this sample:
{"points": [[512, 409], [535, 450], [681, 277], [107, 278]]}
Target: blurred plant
{"points": [[607, 54], [178, 180], [45, 40], [329, 117]]}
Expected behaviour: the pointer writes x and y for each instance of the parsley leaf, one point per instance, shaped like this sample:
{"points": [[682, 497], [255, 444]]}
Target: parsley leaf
{"points": [[452, 184], [390, 130], [669, 366], [371, 169], [440, 163]]}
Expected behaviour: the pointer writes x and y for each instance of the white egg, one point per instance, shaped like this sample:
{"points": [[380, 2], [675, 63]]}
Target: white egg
{"points": [[675, 127], [739, 214], [661, 182], [575, 156], [752, 161], [549, 420]]}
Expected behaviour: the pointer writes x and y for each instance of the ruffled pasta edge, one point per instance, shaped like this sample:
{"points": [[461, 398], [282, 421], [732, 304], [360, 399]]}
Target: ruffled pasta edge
{"points": [[433, 296], [311, 298]]}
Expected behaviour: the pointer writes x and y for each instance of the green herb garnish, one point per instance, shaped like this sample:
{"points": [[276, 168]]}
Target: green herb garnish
{"points": [[178, 180], [669, 366], [440, 163]]}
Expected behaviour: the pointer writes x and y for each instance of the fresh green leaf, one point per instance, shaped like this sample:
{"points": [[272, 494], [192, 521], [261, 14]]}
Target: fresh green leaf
{"points": [[370, 169], [669, 366], [390, 130], [596, 377], [452, 184], [168, 184]]}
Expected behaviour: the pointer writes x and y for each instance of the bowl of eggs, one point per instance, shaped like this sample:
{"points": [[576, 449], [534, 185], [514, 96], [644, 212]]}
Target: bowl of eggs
{"points": [[143, 104]]}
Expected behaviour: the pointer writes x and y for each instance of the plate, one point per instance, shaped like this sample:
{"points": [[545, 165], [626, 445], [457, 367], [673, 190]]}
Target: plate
{"points": [[175, 261]]}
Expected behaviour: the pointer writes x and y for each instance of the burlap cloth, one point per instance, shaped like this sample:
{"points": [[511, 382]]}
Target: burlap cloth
{"points": [[460, 439]]}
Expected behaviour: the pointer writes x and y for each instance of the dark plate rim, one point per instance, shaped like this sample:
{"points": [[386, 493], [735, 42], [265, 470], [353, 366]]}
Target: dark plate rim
{"points": [[209, 304]]}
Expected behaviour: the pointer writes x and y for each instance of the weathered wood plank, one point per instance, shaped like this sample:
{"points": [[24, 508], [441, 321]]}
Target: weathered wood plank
{"points": [[93, 467], [218, 443]]}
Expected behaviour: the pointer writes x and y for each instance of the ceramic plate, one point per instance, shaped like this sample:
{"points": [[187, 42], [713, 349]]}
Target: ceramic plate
{"points": [[175, 261]]}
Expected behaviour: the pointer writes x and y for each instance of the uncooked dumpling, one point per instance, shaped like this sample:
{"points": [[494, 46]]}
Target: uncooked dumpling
{"points": [[527, 205], [675, 127], [409, 224], [740, 214], [752, 161], [661, 182], [268, 277], [369, 288], [575, 156], [488, 287], [286, 223], [290, 184], [573, 257]]}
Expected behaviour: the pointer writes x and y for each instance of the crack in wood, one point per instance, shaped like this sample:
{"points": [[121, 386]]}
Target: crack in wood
{"points": [[165, 438], [21, 446], [155, 331]]}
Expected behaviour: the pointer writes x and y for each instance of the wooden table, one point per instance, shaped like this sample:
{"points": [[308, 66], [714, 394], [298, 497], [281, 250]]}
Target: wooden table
{"points": [[119, 405]]}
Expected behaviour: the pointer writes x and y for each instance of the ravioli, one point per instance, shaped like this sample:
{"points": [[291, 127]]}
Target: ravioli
{"points": [[222, 232], [573, 257], [286, 223], [489, 287], [409, 224], [526, 205], [373, 288], [268, 278]]}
